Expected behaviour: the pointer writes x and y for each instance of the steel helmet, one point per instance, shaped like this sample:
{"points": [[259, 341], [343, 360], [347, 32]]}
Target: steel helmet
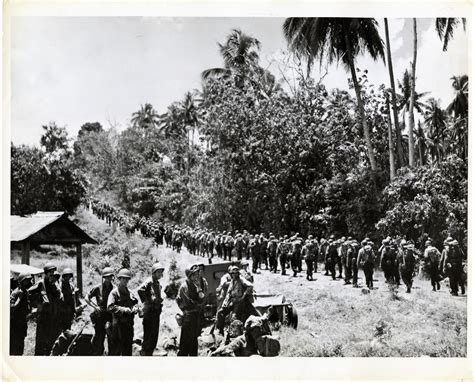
{"points": [[24, 276], [125, 273], [49, 267], [156, 267], [67, 271], [107, 271]]}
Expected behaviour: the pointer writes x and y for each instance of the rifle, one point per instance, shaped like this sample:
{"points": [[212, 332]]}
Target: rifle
{"points": [[69, 348]]}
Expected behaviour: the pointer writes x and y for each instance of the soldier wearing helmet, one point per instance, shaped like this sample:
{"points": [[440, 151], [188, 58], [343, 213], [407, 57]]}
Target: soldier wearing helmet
{"points": [[432, 258], [190, 300], [272, 253], [47, 323], [100, 317], [366, 261], [19, 310], [150, 295], [309, 254], [407, 266], [453, 267], [123, 306], [68, 306]]}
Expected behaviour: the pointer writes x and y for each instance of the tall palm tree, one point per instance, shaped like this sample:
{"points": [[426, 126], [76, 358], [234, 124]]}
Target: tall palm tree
{"points": [[436, 121], [391, 158], [171, 123], [445, 29], [338, 39], [421, 143], [240, 52], [411, 114], [146, 117], [190, 113], [398, 133], [404, 87], [458, 108]]}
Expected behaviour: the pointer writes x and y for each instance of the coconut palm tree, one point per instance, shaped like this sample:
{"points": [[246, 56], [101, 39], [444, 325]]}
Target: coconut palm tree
{"points": [[190, 113], [338, 40], [422, 142], [398, 133], [458, 108], [445, 29], [146, 117], [240, 52], [436, 120]]}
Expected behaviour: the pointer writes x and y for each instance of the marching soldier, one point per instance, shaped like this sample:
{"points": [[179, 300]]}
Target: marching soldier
{"points": [[47, 324], [272, 254], [309, 253], [331, 257], [295, 256], [19, 310], [263, 243], [407, 266], [432, 259], [366, 261], [453, 267], [123, 306], [150, 295], [282, 253]]}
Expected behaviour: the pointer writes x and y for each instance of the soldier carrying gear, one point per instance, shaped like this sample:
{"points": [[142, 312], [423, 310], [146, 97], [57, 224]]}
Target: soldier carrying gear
{"points": [[237, 297], [453, 267], [432, 259], [282, 253], [295, 255], [150, 295], [407, 266], [19, 309], [190, 300], [331, 257], [366, 261], [100, 317], [272, 254], [263, 244], [123, 306], [68, 308], [47, 323], [309, 253]]}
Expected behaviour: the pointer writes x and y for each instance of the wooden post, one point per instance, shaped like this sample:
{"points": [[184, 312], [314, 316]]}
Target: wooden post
{"points": [[25, 252], [79, 267]]}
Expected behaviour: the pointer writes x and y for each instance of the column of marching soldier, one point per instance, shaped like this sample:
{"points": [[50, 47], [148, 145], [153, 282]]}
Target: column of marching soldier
{"points": [[397, 257], [114, 306]]}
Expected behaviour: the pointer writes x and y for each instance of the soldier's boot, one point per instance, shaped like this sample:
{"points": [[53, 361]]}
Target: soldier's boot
{"points": [[463, 290], [438, 286]]}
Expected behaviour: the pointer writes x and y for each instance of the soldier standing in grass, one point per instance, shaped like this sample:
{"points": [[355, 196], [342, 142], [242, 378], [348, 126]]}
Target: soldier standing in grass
{"points": [[19, 310], [432, 259], [263, 243], [407, 266], [352, 259], [453, 267], [123, 306], [309, 253], [190, 299], [366, 261], [282, 253], [47, 324], [331, 257], [272, 254], [100, 317], [150, 295]]}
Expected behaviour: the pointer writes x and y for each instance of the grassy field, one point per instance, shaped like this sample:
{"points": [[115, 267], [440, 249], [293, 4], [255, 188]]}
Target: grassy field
{"points": [[334, 320]]}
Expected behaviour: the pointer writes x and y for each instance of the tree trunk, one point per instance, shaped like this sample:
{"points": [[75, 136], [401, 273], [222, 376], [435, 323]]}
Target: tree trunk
{"points": [[411, 123], [391, 157], [360, 106], [398, 132], [420, 152]]}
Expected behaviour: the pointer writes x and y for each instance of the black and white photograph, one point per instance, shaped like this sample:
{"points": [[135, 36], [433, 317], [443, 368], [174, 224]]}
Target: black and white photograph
{"points": [[238, 186]]}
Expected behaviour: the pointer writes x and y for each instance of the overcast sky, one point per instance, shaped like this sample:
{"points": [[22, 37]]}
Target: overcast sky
{"points": [[73, 70]]}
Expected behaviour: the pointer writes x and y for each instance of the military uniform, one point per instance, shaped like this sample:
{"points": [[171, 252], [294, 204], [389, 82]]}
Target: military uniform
{"points": [[309, 253], [100, 319], [407, 267], [48, 321], [331, 259], [19, 310], [272, 254], [68, 305], [453, 267], [189, 301], [150, 295], [120, 304], [282, 253], [366, 261], [432, 259]]}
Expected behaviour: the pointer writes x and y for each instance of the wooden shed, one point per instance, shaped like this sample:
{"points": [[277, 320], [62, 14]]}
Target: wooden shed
{"points": [[49, 228]]}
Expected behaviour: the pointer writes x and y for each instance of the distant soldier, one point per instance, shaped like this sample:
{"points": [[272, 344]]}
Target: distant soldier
{"points": [[295, 255], [352, 255], [48, 324], [272, 254], [366, 261], [218, 245], [19, 310], [123, 306], [323, 245], [254, 249], [453, 267], [190, 300], [331, 257], [384, 258], [263, 243], [346, 259], [282, 252], [228, 246], [309, 253], [150, 295], [239, 246], [408, 265], [432, 259], [100, 317]]}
